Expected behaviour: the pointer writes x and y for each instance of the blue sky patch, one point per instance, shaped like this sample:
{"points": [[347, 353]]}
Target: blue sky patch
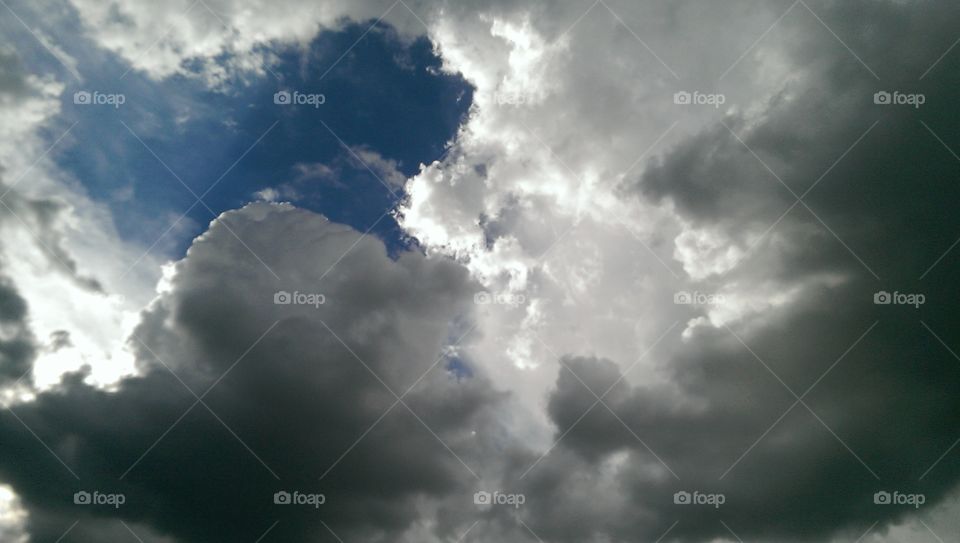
{"points": [[383, 109]]}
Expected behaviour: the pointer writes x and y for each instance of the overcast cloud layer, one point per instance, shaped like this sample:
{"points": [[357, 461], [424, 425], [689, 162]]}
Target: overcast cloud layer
{"points": [[683, 273]]}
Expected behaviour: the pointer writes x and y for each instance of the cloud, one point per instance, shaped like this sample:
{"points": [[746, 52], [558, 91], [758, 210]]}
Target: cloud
{"points": [[60, 252], [385, 169], [13, 518], [218, 41], [298, 398], [17, 346], [538, 196], [358, 159], [577, 201]]}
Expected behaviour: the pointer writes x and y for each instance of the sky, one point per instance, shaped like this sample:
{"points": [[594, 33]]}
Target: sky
{"points": [[453, 271]]}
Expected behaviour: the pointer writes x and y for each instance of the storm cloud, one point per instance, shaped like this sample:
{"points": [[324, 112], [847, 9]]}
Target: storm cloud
{"points": [[683, 273]]}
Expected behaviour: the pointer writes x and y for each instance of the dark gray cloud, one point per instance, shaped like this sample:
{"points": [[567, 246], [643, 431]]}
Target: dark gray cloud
{"points": [[298, 399], [17, 344], [887, 410]]}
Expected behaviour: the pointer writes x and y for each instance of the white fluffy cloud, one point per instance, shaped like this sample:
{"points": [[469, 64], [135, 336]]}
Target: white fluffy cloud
{"points": [[219, 39]]}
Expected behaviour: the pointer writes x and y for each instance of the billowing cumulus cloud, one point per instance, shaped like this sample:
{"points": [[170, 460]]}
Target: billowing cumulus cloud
{"points": [[287, 390], [677, 252], [775, 300]]}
